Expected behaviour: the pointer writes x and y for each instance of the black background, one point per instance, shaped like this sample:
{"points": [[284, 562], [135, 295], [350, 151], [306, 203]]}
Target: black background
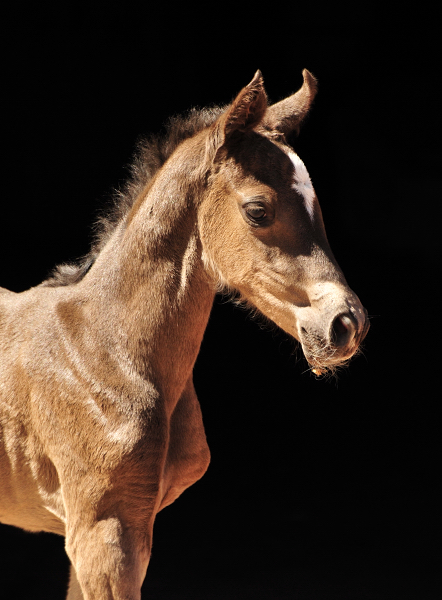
{"points": [[317, 490]]}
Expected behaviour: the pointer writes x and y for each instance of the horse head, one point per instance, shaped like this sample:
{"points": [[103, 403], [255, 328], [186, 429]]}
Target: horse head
{"points": [[262, 229]]}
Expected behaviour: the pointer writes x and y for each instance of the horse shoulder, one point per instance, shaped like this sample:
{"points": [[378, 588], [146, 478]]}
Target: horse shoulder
{"points": [[65, 423]]}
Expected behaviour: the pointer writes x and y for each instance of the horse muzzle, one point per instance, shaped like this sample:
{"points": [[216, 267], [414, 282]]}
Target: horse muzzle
{"points": [[331, 337]]}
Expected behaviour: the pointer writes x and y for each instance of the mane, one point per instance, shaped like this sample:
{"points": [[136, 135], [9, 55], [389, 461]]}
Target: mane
{"points": [[150, 155]]}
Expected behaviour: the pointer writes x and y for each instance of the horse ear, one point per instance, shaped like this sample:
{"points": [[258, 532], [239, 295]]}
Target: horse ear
{"points": [[248, 108], [287, 115], [245, 112]]}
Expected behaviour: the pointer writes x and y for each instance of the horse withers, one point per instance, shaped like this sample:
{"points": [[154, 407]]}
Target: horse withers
{"points": [[100, 427]]}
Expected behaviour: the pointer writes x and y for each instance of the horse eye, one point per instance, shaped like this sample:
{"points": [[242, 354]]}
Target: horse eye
{"points": [[256, 213]]}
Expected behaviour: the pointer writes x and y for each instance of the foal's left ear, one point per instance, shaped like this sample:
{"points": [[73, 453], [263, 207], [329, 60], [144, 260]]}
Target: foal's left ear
{"points": [[286, 116], [245, 112]]}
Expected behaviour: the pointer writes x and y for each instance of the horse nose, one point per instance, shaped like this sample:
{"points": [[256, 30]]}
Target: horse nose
{"points": [[343, 330]]}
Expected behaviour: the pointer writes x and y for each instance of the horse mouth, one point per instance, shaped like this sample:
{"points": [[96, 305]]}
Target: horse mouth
{"points": [[326, 358]]}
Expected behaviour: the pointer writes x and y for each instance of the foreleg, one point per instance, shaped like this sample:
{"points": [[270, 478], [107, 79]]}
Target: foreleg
{"points": [[74, 589], [109, 561]]}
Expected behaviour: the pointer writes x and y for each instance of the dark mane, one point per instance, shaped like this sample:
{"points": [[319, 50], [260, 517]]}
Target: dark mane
{"points": [[150, 155]]}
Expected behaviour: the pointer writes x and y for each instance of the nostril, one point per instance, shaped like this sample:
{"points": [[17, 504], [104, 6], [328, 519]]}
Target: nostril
{"points": [[342, 330]]}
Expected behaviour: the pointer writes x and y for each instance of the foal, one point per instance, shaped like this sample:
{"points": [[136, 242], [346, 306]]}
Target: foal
{"points": [[100, 427]]}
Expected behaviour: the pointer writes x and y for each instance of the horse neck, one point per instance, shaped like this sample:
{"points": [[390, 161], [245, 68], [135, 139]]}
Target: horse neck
{"points": [[149, 282]]}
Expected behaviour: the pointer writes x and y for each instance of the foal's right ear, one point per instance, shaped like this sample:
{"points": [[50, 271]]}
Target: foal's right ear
{"points": [[245, 112]]}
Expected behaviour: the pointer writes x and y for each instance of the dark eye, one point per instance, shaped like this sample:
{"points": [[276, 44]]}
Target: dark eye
{"points": [[256, 212]]}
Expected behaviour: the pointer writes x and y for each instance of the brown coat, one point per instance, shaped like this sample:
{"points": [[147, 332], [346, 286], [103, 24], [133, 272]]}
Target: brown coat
{"points": [[100, 427]]}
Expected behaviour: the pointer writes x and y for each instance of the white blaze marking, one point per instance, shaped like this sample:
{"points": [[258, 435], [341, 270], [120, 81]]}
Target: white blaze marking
{"points": [[303, 184]]}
